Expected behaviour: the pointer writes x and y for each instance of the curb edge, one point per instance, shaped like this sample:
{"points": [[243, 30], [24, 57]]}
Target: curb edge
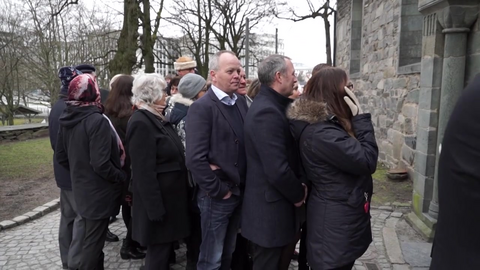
{"points": [[36, 213]]}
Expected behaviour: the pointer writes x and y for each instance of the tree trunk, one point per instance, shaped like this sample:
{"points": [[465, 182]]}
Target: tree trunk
{"points": [[125, 57], [9, 119], [328, 44], [147, 41]]}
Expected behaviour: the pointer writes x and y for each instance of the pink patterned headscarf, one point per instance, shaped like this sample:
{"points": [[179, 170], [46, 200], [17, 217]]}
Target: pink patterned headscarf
{"points": [[83, 91]]}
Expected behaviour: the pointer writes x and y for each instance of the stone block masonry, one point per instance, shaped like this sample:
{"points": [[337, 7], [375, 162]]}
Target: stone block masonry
{"points": [[23, 132], [389, 93]]}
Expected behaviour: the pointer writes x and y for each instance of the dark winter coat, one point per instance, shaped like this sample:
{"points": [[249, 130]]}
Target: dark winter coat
{"points": [[211, 139], [160, 204], [457, 238], [339, 168], [177, 112], [87, 145], [62, 175], [269, 216], [120, 125]]}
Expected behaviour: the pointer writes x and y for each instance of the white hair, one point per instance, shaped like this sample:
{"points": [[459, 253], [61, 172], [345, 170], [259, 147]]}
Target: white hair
{"points": [[148, 88]]}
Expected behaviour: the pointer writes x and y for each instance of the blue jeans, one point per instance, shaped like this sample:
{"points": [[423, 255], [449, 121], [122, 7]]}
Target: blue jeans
{"points": [[220, 221]]}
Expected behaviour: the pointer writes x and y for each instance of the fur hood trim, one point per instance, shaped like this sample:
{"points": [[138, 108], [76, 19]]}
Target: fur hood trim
{"points": [[178, 98], [307, 110]]}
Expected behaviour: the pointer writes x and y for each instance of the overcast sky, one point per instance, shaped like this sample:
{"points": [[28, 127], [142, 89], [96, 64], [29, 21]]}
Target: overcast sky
{"points": [[304, 41]]}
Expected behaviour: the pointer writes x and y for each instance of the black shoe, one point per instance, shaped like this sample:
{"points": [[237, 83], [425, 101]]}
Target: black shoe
{"points": [[130, 252], [111, 237], [64, 265], [138, 246]]}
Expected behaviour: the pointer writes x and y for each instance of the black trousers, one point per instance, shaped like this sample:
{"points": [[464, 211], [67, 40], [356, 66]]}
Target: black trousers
{"points": [[240, 257], [194, 241], [266, 258], [91, 256], [157, 256], [70, 232], [302, 253]]}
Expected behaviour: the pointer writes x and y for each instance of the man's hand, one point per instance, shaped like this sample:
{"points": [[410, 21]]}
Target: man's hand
{"points": [[229, 194], [300, 203]]}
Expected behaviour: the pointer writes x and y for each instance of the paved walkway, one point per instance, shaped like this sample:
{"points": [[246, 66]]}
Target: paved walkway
{"points": [[34, 245]]}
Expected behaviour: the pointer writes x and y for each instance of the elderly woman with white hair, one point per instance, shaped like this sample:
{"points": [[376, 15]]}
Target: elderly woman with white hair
{"points": [[159, 174]]}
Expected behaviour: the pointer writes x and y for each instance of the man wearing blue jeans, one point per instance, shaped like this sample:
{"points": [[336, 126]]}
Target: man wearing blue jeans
{"points": [[215, 154]]}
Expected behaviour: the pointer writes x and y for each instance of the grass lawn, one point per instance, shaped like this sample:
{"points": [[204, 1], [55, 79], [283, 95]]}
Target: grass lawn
{"points": [[24, 121], [26, 176], [26, 159], [388, 191]]}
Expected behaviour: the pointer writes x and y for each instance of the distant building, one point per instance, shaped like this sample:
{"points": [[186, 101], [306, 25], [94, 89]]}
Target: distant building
{"points": [[167, 50]]}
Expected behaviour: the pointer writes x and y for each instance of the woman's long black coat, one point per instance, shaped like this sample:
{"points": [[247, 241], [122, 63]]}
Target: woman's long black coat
{"points": [[339, 168], [159, 180]]}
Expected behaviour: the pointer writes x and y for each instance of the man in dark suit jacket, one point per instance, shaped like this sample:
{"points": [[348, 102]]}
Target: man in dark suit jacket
{"points": [[456, 243], [215, 154], [273, 192]]}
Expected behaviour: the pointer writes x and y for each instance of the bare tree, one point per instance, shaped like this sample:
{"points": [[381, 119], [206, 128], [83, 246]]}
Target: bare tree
{"points": [[12, 59], [137, 14], [55, 41], [46, 51], [194, 18], [149, 36], [63, 5], [231, 28], [95, 42], [126, 55], [209, 26], [323, 11]]}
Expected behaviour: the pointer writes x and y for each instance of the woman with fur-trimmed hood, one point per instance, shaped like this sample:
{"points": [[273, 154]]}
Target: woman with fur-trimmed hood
{"points": [[339, 154], [190, 88]]}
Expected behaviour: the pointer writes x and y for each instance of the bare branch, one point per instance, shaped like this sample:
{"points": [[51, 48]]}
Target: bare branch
{"points": [[64, 5]]}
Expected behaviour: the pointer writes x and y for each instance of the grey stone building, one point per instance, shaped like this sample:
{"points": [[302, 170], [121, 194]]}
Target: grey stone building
{"points": [[409, 60]]}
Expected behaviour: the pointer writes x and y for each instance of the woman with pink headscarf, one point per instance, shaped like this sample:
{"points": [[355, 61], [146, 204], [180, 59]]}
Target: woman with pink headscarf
{"points": [[88, 146]]}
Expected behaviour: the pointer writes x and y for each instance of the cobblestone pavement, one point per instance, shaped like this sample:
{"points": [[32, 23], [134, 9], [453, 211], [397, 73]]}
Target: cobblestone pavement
{"points": [[34, 245]]}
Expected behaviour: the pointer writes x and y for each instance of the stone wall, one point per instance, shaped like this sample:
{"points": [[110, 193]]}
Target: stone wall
{"points": [[391, 94], [473, 53], [23, 133]]}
